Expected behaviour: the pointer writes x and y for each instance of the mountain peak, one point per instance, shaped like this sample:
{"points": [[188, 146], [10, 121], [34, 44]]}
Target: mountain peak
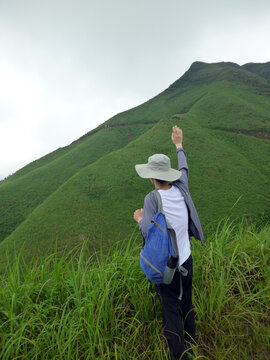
{"points": [[198, 65], [205, 73]]}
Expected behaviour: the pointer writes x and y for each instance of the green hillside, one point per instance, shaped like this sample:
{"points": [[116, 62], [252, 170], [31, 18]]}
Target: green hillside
{"points": [[259, 69], [29, 187], [90, 189]]}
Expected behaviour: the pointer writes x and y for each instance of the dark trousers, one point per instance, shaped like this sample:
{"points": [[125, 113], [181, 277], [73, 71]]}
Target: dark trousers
{"points": [[178, 315]]}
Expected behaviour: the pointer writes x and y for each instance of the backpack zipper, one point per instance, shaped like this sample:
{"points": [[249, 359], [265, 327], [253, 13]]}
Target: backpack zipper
{"points": [[152, 266]]}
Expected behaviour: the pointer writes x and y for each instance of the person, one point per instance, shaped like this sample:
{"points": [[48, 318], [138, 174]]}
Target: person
{"points": [[178, 207]]}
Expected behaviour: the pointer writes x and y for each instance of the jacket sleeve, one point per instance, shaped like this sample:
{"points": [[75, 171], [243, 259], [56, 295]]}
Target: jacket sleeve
{"points": [[149, 210], [182, 166]]}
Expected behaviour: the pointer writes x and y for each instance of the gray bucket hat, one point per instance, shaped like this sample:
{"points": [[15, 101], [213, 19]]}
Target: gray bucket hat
{"points": [[158, 167]]}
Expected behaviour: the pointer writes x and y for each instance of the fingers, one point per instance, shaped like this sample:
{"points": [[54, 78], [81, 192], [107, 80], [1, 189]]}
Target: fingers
{"points": [[177, 132], [137, 215], [176, 129], [138, 212]]}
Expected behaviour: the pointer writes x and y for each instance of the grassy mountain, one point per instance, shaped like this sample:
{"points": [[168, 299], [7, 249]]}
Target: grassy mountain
{"points": [[259, 69], [89, 189]]}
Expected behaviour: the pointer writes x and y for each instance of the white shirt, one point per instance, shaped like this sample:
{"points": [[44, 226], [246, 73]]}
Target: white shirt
{"points": [[176, 213]]}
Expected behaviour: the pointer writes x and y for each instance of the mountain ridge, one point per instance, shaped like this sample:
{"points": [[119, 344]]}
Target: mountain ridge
{"points": [[70, 194], [199, 73], [251, 67]]}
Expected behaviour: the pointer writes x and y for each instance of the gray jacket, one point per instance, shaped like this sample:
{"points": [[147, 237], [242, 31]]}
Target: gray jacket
{"points": [[150, 205]]}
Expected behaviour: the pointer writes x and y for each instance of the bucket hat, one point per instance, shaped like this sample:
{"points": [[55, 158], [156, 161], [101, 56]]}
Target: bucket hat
{"points": [[158, 167]]}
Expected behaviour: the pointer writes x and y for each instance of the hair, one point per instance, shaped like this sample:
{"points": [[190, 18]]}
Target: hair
{"points": [[161, 181]]}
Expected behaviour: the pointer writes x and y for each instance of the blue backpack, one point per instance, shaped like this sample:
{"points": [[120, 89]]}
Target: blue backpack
{"points": [[159, 257]]}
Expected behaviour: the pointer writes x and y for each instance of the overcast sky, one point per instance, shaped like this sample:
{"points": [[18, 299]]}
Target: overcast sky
{"points": [[67, 66]]}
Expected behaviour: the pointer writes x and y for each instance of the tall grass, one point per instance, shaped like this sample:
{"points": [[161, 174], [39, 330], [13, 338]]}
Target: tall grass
{"points": [[83, 305], [231, 293]]}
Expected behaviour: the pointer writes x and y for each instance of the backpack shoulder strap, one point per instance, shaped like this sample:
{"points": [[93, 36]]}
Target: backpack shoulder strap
{"points": [[169, 227], [159, 201]]}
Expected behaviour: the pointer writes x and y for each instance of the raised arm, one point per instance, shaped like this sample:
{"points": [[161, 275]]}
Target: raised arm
{"points": [[177, 139]]}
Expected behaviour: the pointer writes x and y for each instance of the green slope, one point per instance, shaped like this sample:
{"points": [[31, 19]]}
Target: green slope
{"points": [[90, 189], [98, 202], [260, 69], [23, 193]]}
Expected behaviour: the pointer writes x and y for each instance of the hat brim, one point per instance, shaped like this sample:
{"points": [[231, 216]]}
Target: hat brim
{"points": [[146, 172]]}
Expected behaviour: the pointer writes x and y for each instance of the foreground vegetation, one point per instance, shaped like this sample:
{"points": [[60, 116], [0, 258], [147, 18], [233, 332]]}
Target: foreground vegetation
{"points": [[94, 306]]}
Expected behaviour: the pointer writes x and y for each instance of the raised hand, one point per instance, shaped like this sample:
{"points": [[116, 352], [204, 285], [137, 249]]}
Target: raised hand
{"points": [[177, 137]]}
